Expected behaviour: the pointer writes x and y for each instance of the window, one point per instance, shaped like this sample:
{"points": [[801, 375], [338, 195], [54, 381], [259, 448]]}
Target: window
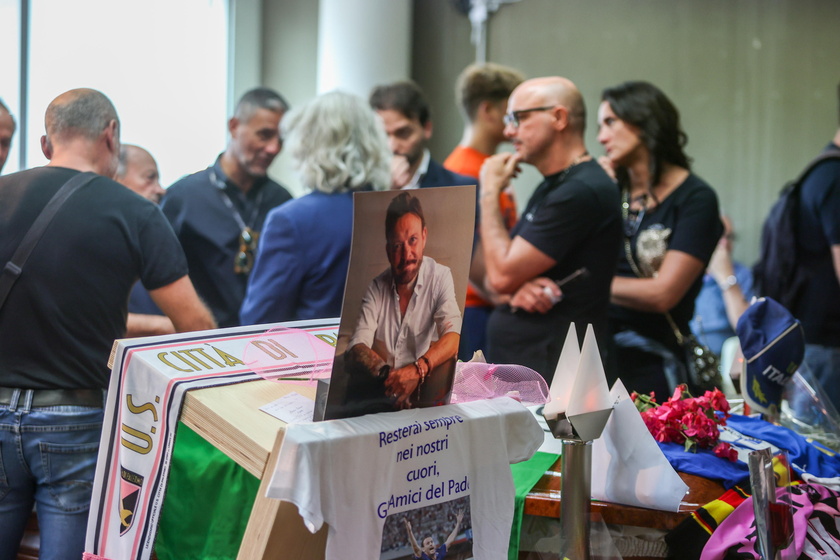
{"points": [[163, 63], [10, 72]]}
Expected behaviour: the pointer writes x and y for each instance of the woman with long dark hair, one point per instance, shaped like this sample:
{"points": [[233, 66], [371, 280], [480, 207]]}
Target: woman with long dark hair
{"points": [[671, 227]]}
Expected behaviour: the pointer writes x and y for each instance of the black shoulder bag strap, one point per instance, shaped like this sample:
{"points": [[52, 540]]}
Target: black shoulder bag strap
{"points": [[13, 268], [826, 155]]}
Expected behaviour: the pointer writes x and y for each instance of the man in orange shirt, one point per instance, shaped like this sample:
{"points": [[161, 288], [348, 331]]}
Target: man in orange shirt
{"points": [[482, 93]]}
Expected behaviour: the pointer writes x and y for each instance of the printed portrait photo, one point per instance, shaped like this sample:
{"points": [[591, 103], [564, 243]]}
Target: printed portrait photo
{"points": [[404, 300]]}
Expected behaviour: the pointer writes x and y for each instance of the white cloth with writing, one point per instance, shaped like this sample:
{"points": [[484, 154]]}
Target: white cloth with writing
{"points": [[352, 474]]}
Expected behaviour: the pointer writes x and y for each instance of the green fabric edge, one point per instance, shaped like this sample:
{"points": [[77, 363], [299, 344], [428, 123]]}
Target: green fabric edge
{"points": [[207, 504], [525, 475]]}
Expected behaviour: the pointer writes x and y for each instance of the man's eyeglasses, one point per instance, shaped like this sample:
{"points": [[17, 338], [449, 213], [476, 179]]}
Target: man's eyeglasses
{"points": [[244, 259], [513, 118]]}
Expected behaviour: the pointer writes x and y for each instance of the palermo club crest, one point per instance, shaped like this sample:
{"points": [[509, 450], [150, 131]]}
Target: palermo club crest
{"points": [[130, 485]]}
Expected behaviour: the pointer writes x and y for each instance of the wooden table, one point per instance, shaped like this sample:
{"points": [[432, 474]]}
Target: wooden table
{"points": [[230, 419], [544, 501]]}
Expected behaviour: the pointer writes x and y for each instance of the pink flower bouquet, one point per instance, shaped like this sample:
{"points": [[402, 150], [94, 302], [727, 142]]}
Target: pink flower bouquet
{"points": [[692, 421]]}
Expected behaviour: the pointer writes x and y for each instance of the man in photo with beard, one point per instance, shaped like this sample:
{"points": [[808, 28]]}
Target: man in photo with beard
{"points": [[409, 321]]}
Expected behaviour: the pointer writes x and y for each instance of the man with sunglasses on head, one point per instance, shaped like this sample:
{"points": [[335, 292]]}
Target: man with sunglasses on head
{"points": [[572, 222], [218, 213]]}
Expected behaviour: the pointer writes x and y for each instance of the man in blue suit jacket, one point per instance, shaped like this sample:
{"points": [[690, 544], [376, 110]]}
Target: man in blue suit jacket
{"points": [[405, 114]]}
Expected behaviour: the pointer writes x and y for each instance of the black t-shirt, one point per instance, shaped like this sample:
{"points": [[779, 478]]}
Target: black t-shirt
{"points": [[688, 220], [60, 320], [576, 220]]}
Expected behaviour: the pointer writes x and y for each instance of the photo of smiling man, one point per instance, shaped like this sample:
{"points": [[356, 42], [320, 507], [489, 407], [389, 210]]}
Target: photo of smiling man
{"points": [[410, 322], [401, 318]]}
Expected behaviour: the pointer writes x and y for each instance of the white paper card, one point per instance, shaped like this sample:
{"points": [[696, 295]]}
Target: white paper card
{"points": [[628, 467], [590, 392], [293, 408], [564, 376]]}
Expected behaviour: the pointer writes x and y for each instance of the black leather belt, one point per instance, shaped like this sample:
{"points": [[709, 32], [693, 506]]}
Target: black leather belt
{"points": [[55, 397]]}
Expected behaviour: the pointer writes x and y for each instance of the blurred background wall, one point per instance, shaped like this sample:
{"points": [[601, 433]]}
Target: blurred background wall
{"points": [[755, 80]]}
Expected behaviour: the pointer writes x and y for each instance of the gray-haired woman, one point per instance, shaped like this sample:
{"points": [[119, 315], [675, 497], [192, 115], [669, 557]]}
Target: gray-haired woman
{"points": [[301, 264]]}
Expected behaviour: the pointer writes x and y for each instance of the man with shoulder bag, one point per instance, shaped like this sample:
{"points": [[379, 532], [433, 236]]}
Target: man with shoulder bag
{"points": [[69, 264]]}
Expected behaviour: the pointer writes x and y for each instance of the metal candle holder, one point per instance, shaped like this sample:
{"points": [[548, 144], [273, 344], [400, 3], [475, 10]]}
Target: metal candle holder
{"points": [[577, 434]]}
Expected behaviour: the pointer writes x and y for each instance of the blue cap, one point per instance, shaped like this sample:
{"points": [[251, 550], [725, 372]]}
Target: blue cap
{"points": [[773, 344]]}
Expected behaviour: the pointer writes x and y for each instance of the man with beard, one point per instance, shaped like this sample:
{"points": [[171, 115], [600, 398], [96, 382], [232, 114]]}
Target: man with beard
{"points": [[409, 321], [218, 213], [407, 119]]}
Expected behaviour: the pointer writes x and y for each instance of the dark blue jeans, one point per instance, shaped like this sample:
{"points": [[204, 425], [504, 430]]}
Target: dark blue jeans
{"points": [[47, 458]]}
